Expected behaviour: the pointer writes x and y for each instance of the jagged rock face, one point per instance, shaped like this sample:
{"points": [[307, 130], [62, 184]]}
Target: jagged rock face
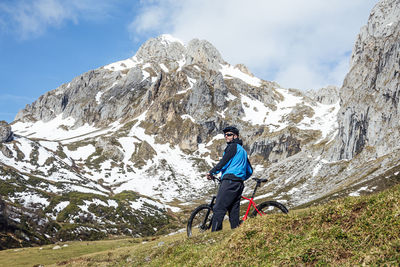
{"points": [[156, 50], [5, 132], [328, 95], [6, 151], [203, 53], [96, 97], [109, 148], [275, 150], [369, 114]]}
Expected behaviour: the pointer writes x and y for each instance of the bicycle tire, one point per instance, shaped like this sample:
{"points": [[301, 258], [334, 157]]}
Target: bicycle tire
{"points": [[199, 221], [270, 207]]}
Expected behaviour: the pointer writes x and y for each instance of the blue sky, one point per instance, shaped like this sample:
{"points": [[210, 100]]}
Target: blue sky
{"points": [[301, 44]]}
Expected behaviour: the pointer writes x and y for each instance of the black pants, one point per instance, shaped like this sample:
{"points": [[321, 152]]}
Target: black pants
{"points": [[228, 200]]}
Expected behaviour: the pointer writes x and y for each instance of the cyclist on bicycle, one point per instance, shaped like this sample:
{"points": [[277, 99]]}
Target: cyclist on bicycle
{"points": [[235, 168]]}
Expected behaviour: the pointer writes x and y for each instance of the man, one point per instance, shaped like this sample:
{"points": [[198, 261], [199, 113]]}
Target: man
{"points": [[235, 168]]}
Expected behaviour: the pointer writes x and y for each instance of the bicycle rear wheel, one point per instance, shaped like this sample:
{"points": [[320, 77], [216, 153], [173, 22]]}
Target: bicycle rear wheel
{"points": [[270, 207], [199, 221]]}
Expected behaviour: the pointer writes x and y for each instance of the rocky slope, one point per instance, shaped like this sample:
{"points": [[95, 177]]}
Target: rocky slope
{"points": [[363, 156], [122, 149], [369, 113]]}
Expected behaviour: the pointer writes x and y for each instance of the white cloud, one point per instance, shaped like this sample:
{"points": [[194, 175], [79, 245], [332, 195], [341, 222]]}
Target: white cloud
{"points": [[32, 18], [301, 44], [151, 18]]}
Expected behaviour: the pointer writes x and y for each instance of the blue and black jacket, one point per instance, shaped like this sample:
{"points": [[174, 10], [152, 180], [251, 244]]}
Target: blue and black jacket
{"points": [[235, 164]]}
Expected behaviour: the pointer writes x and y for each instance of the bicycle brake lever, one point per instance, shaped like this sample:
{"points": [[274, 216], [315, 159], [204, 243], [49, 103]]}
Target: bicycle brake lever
{"points": [[215, 179]]}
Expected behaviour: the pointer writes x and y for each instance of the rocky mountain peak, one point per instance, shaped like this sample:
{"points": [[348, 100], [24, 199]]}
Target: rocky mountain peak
{"points": [[382, 23], [204, 53], [161, 49], [162, 67], [370, 96], [384, 18], [166, 48]]}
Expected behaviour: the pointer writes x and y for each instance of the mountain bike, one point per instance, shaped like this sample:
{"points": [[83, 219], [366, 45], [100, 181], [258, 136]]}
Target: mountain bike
{"points": [[201, 217]]}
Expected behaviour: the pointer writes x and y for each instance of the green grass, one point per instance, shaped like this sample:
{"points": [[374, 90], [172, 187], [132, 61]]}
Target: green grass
{"points": [[46, 255], [352, 231]]}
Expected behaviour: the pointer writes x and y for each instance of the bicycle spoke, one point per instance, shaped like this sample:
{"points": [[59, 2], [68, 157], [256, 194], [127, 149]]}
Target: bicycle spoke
{"points": [[200, 220]]}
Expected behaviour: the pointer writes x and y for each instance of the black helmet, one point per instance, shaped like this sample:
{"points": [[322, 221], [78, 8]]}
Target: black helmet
{"points": [[231, 129]]}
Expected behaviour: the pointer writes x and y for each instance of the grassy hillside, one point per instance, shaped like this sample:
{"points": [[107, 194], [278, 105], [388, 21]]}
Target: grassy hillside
{"points": [[346, 232]]}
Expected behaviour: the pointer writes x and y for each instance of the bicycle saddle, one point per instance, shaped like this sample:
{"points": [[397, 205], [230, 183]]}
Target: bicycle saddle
{"points": [[260, 180]]}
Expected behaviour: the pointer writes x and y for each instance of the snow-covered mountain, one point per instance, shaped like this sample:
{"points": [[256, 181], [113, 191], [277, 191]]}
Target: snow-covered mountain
{"points": [[159, 114], [150, 125], [123, 149]]}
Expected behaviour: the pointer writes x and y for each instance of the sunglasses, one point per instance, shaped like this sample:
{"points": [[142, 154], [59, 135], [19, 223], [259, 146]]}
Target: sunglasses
{"points": [[229, 134]]}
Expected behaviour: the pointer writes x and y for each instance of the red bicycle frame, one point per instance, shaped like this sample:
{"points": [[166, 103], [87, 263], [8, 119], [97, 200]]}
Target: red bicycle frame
{"points": [[251, 203]]}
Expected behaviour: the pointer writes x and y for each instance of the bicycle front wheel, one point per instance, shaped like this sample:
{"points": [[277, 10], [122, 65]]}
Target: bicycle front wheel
{"points": [[199, 221], [270, 207]]}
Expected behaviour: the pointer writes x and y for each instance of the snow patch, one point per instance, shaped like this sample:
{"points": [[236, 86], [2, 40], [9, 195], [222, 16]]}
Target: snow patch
{"points": [[254, 109], [128, 146], [186, 116], [257, 113], [166, 39], [364, 188], [26, 147], [53, 146], [317, 168], [147, 75], [112, 203], [181, 63], [51, 130], [284, 107], [81, 153], [163, 67], [83, 189], [230, 97], [43, 156], [230, 72], [98, 97], [324, 120], [138, 204], [29, 198], [123, 64]]}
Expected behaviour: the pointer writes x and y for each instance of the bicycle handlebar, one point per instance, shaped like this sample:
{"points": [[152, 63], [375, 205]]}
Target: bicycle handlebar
{"points": [[214, 178], [258, 180]]}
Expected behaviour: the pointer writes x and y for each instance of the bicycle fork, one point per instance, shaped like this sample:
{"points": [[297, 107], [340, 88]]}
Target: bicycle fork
{"points": [[204, 224]]}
